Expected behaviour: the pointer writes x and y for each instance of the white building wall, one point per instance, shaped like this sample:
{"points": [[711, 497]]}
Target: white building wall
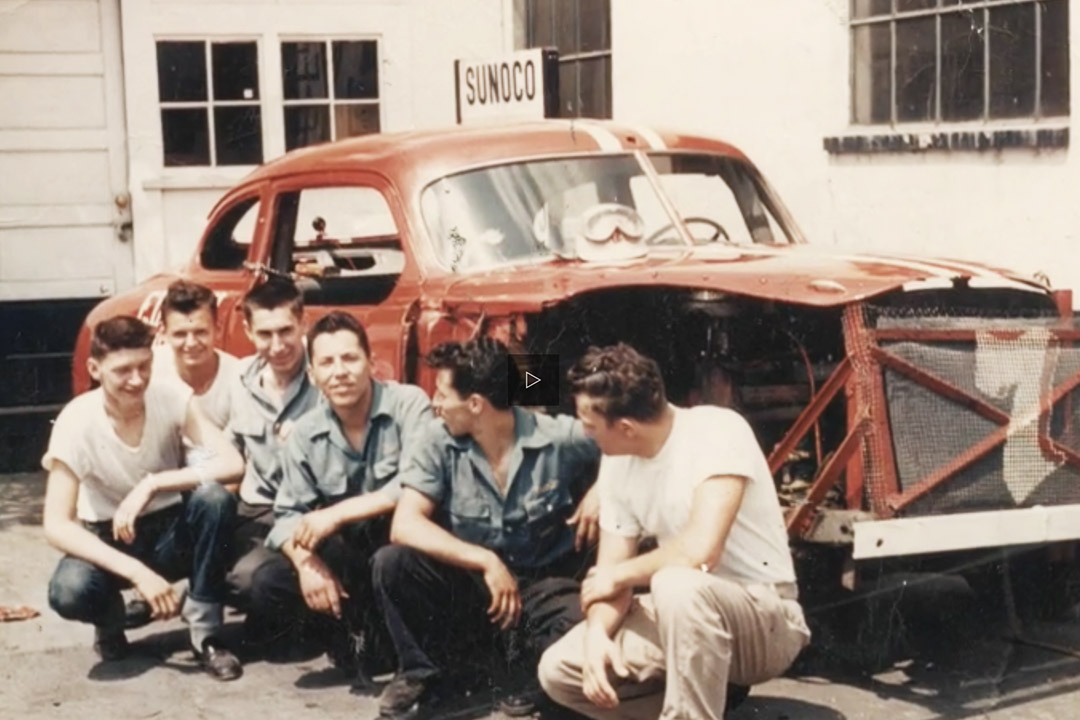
{"points": [[773, 78], [418, 42], [62, 161]]}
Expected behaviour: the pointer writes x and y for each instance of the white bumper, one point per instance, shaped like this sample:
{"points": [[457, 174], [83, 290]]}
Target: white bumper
{"points": [[965, 531]]}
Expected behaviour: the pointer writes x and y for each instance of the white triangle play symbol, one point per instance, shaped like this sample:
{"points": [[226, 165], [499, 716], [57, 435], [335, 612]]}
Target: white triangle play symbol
{"points": [[530, 379]]}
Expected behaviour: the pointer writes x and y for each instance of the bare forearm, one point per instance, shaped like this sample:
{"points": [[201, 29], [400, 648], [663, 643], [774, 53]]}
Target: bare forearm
{"points": [[75, 540], [607, 615], [638, 571], [297, 555], [362, 507], [429, 538]]}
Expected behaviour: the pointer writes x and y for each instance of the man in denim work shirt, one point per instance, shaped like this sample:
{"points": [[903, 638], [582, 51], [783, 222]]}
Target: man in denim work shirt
{"points": [[274, 392], [340, 484], [485, 523]]}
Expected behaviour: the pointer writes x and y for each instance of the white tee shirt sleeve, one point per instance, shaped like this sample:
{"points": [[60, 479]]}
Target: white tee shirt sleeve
{"points": [[64, 441], [616, 516], [734, 454]]}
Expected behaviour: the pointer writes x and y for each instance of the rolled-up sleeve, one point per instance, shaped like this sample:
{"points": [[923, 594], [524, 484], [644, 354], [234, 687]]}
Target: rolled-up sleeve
{"points": [[424, 463], [298, 494]]}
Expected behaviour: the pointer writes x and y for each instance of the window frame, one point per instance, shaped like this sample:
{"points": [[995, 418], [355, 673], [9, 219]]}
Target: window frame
{"points": [[330, 101], [577, 59], [209, 104], [938, 12]]}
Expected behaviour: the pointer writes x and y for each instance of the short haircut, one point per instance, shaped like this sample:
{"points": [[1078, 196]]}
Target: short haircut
{"points": [[123, 332], [185, 297], [621, 382], [478, 366], [272, 294], [334, 322]]}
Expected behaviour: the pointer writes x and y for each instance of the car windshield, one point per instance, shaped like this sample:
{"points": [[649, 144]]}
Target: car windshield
{"points": [[595, 208]]}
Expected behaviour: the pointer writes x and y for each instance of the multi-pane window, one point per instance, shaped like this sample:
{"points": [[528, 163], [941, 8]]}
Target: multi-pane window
{"points": [[209, 96], [956, 60], [581, 31], [331, 90]]}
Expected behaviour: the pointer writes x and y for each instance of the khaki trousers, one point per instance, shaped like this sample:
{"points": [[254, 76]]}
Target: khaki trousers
{"points": [[697, 632]]}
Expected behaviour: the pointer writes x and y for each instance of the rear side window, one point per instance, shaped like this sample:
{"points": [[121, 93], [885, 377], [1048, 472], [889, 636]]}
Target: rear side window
{"points": [[343, 240], [229, 241]]}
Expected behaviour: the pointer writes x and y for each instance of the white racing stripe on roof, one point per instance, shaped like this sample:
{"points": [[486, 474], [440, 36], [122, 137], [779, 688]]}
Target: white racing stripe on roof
{"points": [[651, 136], [603, 137]]}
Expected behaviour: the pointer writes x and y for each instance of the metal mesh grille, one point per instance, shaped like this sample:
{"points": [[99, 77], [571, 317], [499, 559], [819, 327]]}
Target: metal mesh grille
{"points": [[1007, 372]]}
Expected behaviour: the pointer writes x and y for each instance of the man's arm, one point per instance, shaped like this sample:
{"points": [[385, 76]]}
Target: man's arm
{"points": [[67, 534], [224, 466], [413, 526], [700, 544]]}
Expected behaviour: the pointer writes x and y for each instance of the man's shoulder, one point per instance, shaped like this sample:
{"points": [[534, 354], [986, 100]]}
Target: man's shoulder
{"points": [[80, 408], [404, 393], [709, 418], [557, 428]]}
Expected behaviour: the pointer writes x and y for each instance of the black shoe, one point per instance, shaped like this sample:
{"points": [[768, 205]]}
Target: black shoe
{"points": [[111, 645], [137, 614], [218, 662], [523, 702], [402, 695]]}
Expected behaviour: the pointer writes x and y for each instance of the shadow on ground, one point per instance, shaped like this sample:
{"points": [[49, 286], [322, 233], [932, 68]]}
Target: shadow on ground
{"points": [[22, 499]]}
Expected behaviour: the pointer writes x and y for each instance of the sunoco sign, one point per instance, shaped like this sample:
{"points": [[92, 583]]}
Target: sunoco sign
{"points": [[520, 86]]}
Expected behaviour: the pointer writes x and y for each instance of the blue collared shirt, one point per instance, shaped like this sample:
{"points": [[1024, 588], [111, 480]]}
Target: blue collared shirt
{"points": [[322, 468], [552, 463], [259, 427]]}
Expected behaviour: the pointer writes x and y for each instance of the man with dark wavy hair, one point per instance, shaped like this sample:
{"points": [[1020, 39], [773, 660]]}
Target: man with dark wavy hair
{"points": [[722, 603], [485, 522]]}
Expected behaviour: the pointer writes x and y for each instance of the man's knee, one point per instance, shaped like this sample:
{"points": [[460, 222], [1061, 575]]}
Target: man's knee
{"points": [[212, 501], [390, 565], [555, 671], [75, 593], [254, 568], [678, 587]]}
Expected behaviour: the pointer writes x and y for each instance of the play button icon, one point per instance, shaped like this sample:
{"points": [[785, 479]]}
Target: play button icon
{"points": [[533, 380]]}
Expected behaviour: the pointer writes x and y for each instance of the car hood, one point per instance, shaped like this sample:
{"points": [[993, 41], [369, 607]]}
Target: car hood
{"points": [[803, 275]]}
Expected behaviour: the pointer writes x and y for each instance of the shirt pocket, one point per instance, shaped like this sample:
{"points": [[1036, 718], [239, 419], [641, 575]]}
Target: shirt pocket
{"points": [[470, 516], [387, 459]]}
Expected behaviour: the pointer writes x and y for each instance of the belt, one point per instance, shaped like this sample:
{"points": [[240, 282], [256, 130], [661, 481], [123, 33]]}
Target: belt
{"points": [[786, 590]]}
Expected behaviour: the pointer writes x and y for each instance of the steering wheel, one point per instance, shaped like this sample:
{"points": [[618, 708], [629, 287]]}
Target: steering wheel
{"points": [[717, 227]]}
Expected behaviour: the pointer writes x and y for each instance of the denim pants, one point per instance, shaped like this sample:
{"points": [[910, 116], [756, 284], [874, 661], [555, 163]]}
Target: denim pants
{"points": [[190, 540], [436, 615]]}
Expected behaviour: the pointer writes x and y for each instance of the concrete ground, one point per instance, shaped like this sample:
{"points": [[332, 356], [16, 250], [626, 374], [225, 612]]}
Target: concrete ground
{"points": [[47, 667]]}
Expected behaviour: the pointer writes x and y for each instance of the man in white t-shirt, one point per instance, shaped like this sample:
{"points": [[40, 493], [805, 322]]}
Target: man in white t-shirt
{"points": [[190, 354], [722, 601], [113, 502]]}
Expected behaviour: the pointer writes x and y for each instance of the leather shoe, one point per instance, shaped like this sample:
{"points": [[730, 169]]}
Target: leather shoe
{"points": [[111, 645], [217, 661]]}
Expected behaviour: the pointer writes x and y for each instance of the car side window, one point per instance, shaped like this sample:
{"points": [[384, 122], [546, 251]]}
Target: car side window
{"points": [[228, 242], [340, 242]]}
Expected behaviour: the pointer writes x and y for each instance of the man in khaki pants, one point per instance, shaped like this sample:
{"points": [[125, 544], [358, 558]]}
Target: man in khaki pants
{"points": [[722, 604]]}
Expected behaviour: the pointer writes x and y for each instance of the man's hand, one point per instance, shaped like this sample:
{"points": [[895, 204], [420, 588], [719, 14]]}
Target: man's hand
{"points": [[129, 510], [505, 608], [601, 652], [157, 591], [601, 583], [321, 589], [314, 527], [587, 519]]}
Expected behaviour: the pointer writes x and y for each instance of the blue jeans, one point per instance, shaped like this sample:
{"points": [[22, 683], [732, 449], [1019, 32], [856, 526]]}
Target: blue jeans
{"points": [[190, 540]]}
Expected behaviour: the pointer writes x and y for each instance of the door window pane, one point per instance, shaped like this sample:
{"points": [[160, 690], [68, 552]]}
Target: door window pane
{"points": [[306, 125], [595, 25], [915, 69], [909, 5], [962, 71], [185, 136], [568, 90], [356, 70], [236, 71], [353, 120], [595, 76], [1012, 60], [868, 8], [566, 20], [181, 71], [238, 135], [1055, 57], [872, 81], [303, 70], [542, 23]]}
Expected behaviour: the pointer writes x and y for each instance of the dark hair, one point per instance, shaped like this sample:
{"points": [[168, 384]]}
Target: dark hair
{"points": [[335, 321], [123, 332], [272, 294], [478, 366], [185, 297], [622, 383]]}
